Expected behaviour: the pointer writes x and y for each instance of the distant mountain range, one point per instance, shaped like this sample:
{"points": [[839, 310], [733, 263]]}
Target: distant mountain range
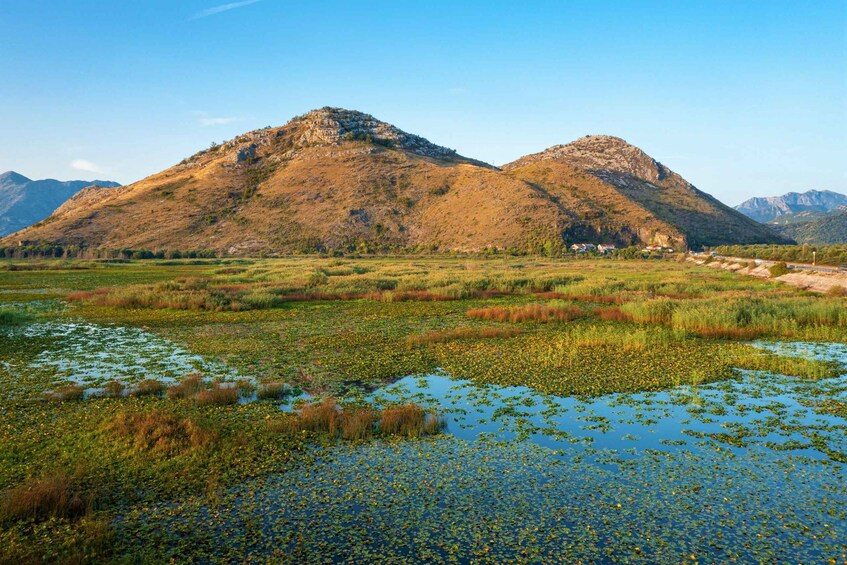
{"points": [[24, 202], [812, 217], [335, 179], [793, 206]]}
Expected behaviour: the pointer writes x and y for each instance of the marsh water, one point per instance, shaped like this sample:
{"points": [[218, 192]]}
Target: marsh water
{"points": [[750, 469]]}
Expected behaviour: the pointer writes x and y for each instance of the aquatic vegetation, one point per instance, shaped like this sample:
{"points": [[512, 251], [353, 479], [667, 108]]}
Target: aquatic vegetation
{"points": [[409, 420], [427, 434], [114, 389], [437, 336], [218, 394], [357, 424], [188, 387], [50, 496], [160, 432], [148, 387], [530, 312], [66, 393], [10, 317], [272, 390]]}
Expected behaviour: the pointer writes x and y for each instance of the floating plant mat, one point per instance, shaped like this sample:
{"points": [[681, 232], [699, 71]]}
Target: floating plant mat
{"points": [[92, 354], [761, 408], [449, 499], [747, 470]]}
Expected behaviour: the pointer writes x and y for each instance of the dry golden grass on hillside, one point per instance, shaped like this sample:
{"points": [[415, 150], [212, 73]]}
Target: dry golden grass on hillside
{"points": [[299, 189]]}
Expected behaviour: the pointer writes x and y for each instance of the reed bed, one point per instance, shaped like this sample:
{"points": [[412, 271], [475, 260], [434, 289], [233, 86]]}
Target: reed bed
{"points": [[529, 313], [441, 336]]}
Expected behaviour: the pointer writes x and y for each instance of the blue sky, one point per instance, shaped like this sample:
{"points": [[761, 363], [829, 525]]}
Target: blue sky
{"points": [[741, 98]]}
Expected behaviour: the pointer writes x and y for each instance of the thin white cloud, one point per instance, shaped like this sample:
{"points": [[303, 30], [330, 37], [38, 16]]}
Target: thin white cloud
{"points": [[87, 166], [222, 8], [215, 121]]}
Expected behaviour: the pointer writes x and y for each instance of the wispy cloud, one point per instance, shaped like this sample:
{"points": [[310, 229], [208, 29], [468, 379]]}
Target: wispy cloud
{"points": [[215, 121], [87, 166], [222, 8]]}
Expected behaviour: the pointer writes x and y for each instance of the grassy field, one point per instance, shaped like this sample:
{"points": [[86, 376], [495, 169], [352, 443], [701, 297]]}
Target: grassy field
{"points": [[72, 461]]}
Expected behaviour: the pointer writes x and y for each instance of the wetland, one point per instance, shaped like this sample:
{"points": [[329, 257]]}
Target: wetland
{"points": [[405, 409]]}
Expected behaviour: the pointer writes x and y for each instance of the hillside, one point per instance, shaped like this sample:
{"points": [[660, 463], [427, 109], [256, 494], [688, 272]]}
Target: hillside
{"points": [[647, 185], [826, 230], [24, 202], [793, 206], [335, 179]]}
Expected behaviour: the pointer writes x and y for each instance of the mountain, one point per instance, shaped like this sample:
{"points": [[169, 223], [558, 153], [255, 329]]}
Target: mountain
{"points": [[340, 179], [627, 173], [24, 202], [825, 230], [793, 206]]}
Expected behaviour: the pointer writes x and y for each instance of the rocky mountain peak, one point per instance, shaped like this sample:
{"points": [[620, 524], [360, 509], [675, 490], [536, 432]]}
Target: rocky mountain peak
{"points": [[333, 126], [604, 156], [11, 177]]}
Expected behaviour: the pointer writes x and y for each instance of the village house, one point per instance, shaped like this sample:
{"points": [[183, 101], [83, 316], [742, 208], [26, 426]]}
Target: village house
{"points": [[605, 248], [583, 247]]}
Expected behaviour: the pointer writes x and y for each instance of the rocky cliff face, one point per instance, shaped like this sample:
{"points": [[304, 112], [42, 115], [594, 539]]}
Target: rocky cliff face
{"points": [[777, 208], [604, 156]]}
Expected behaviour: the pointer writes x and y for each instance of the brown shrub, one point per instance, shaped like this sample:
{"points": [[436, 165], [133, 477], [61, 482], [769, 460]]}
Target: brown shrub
{"points": [[51, 496], [218, 394], [530, 312], [837, 291], [160, 432]]}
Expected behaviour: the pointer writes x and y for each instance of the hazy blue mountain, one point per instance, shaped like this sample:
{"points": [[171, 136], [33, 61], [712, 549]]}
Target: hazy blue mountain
{"points": [[24, 202], [794, 206]]}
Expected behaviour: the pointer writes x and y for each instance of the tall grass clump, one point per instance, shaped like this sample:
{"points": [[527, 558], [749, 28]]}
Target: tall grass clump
{"points": [[148, 387], [160, 432], [320, 416], [51, 496], [409, 420], [67, 393], [189, 386], [13, 318], [114, 389], [655, 311], [530, 312], [441, 336], [357, 424], [218, 394], [272, 391]]}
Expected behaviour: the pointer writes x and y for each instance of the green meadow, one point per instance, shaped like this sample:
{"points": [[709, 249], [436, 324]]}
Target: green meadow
{"points": [[167, 410]]}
